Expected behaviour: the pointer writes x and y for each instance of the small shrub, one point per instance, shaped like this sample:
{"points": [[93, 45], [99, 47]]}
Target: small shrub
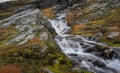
{"points": [[49, 12]]}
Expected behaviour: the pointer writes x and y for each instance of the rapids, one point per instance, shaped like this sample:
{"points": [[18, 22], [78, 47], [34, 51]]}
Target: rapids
{"points": [[75, 47]]}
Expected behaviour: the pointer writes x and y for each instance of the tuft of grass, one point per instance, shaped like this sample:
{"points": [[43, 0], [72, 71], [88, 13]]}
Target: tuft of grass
{"points": [[49, 12]]}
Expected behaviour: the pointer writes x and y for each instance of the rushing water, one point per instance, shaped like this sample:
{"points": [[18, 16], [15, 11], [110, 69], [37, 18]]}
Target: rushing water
{"points": [[75, 47]]}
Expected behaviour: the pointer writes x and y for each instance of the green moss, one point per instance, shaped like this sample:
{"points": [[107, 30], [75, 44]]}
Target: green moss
{"points": [[109, 42], [113, 16], [61, 69], [98, 22], [4, 14], [32, 60]]}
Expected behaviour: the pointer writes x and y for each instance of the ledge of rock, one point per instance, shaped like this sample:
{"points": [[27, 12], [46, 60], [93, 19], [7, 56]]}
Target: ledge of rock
{"points": [[26, 38], [27, 24]]}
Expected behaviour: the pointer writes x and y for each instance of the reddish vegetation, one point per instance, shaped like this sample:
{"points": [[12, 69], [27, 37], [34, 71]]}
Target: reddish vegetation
{"points": [[72, 16], [3, 31], [9, 69], [49, 12], [34, 41], [79, 27], [112, 30]]}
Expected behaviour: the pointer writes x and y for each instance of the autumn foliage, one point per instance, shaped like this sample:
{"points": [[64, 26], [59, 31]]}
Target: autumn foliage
{"points": [[49, 12], [34, 41], [9, 69], [79, 27]]}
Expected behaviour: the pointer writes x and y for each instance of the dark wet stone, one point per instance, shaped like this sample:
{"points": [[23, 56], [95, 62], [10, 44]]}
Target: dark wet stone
{"points": [[99, 63], [5, 5], [72, 54]]}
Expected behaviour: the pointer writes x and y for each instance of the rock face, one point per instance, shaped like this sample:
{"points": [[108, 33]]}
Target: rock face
{"points": [[5, 5], [29, 6], [28, 24], [63, 3], [26, 39], [113, 34], [102, 51]]}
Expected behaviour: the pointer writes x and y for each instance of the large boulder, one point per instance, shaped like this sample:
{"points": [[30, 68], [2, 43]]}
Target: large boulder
{"points": [[113, 34], [27, 24], [27, 40]]}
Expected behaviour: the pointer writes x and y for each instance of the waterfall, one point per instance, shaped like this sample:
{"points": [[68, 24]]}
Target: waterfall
{"points": [[4, 0], [76, 47]]}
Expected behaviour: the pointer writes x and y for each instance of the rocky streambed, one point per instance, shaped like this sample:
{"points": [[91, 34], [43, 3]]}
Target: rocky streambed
{"points": [[27, 44], [86, 54], [28, 40]]}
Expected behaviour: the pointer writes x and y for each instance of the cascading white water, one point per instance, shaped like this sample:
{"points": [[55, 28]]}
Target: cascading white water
{"points": [[75, 46], [4, 0]]}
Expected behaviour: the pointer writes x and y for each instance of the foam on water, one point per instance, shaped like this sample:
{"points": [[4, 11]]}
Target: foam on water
{"points": [[4, 0], [71, 46]]}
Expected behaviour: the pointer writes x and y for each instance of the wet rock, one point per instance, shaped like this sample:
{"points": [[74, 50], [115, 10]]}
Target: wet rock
{"points": [[4, 5], [29, 6], [101, 51], [47, 24], [109, 53], [99, 63], [72, 54], [28, 23], [46, 71], [114, 37], [113, 34], [105, 52]]}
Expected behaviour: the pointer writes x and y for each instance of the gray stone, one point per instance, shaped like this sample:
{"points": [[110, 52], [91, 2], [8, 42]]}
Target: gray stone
{"points": [[4, 5], [29, 23], [29, 6], [44, 36], [113, 34], [46, 71]]}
